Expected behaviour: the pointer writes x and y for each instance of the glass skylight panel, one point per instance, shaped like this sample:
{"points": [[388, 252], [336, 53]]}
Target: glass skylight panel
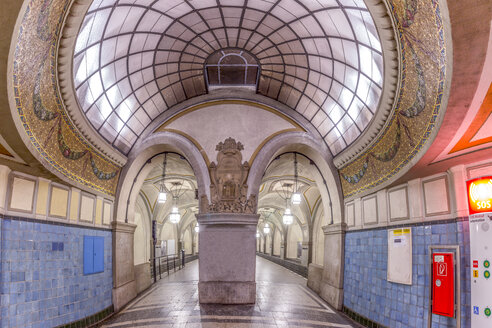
{"points": [[114, 96], [104, 107], [124, 112], [135, 124], [319, 118], [204, 4], [345, 98], [351, 134], [325, 126], [95, 116], [232, 2], [155, 51], [363, 119]]}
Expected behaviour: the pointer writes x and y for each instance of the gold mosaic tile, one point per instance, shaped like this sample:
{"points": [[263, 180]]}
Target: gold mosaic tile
{"points": [[424, 58], [39, 107]]}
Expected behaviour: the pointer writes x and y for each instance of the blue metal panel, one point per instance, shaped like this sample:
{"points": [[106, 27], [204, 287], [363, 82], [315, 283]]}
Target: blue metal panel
{"points": [[88, 255], [98, 254]]}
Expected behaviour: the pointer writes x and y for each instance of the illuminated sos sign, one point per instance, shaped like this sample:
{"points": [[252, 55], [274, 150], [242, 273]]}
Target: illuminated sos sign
{"points": [[480, 195]]}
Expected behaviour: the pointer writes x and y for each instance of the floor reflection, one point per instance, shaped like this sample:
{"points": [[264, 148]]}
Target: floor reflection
{"points": [[282, 300]]}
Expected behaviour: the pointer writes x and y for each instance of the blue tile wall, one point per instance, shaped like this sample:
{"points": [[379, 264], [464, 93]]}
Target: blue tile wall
{"points": [[367, 292], [42, 282]]}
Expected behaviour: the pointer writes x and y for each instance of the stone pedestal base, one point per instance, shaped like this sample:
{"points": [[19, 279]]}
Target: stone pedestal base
{"points": [[330, 284], [123, 294], [315, 276], [124, 285], [332, 295], [223, 292], [227, 258], [142, 277]]}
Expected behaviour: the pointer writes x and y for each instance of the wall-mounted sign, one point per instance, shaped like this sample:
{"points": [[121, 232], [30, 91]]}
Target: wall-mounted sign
{"points": [[480, 195], [400, 256]]}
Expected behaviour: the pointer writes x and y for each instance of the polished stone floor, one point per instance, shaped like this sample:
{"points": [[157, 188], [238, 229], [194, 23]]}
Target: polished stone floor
{"points": [[282, 300]]}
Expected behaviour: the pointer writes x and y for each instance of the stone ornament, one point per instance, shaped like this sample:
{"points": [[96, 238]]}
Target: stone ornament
{"points": [[228, 188]]}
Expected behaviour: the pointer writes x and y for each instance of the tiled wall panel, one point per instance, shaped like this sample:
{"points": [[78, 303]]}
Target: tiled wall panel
{"points": [[367, 292], [42, 282]]}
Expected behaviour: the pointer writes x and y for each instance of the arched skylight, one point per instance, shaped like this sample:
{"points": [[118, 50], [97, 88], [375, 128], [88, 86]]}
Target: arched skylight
{"points": [[231, 67], [134, 59]]}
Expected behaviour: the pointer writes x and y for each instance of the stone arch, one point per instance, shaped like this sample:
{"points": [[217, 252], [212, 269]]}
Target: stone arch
{"points": [[327, 280], [133, 174], [315, 150]]}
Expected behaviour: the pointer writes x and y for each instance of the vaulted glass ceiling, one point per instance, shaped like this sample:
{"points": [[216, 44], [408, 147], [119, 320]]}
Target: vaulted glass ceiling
{"points": [[134, 59]]}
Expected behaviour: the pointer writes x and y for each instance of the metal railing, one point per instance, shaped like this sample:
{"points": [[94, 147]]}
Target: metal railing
{"points": [[168, 263], [291, 264]]}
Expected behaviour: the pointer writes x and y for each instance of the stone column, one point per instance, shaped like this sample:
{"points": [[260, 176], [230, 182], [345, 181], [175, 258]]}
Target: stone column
{"points": [[227, 258], [331, 289], [283, 247], [306, 245], [124, 284], [4, 179]]}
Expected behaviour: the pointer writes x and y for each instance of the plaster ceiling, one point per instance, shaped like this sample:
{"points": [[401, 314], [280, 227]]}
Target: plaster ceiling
{"points": [[177, 171], [133, 60], [271, 202]]}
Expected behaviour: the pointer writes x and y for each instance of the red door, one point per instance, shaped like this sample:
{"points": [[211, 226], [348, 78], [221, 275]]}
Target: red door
{"points": [[443, 284]]}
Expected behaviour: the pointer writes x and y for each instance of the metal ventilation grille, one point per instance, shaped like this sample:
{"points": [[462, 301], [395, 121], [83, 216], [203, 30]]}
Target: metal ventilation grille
{"points": [[136, 58]]}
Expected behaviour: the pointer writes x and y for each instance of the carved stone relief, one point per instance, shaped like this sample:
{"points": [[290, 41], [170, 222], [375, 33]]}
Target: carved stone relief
{"points": [[228, 188]]}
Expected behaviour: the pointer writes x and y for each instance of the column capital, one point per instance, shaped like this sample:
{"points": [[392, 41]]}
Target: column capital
{"points": [[307, 243], [123, 227], [227, 219], [336, 228]]}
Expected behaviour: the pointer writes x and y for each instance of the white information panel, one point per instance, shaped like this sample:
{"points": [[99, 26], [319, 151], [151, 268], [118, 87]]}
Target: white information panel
{"points": [[400, 255], [481, 258]]}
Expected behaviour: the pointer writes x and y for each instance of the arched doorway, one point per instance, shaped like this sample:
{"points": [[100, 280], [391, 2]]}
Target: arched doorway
{"points": [[138, 209], [164, 216], [325, 276]]}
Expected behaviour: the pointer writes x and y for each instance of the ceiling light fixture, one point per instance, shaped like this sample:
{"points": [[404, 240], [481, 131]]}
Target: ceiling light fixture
{"points": [[296, 195], [288, 218], [162, 197], [174, 217]]}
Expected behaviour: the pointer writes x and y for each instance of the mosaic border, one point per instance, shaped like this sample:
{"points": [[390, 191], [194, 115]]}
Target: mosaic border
{"points": [[436, 107]]}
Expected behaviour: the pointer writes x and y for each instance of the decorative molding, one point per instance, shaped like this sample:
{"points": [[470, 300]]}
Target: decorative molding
{"points": [[390, 44], [37, 107], [54, 185], [392, 191], [476, 171], [69, 33], [10, 153], [10, 189], [446, 191], [350, 211], [228, 188], [420, 104], [92, 216], [364, 212]]}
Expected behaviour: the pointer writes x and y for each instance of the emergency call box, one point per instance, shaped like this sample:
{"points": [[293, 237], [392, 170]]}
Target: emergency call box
{"points": [[480, 206], [443, 290], [481, 269]]}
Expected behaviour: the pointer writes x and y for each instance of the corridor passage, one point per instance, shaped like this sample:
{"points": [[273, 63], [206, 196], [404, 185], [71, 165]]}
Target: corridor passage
{"points": [[282, 300]]}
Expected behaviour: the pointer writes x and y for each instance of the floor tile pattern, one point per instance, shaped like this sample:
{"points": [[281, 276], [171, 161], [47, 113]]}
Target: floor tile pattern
{"points": [[283, 300]]}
